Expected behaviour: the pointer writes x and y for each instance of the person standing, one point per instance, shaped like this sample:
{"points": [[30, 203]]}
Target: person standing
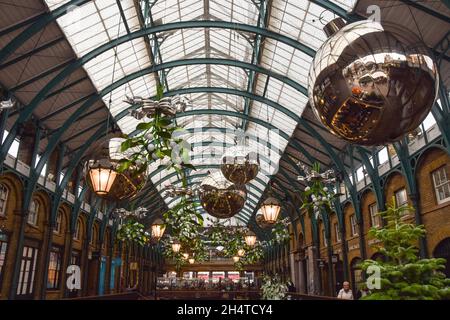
{"points": [[345, 293]]}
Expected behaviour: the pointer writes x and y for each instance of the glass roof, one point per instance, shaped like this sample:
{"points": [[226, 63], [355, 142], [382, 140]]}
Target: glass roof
{"points": [[98, 22]]}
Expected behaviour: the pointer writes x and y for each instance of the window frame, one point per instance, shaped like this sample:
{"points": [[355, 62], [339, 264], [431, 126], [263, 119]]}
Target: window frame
{"points": [[437, 187], [35, 214], [77, 233], [93, 240], [58, 223], [374, 215], [354, 225], [337, 235], [54, 273], [325, 242], [4, 245], [5, 200], [397, 192], [29, 259]]}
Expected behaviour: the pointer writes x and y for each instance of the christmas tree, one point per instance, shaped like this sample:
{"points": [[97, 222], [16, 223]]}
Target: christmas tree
{"points": [[403, 275]]}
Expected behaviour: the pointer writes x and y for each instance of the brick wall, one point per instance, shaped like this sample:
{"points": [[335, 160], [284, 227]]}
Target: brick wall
{"points": [[435, 216]]}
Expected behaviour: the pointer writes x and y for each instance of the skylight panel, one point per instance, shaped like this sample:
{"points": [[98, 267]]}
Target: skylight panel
{"points": [[346, 4]]}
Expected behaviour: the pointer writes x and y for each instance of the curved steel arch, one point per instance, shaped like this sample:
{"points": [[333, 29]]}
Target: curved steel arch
{"points": [[214, 166], [24, 115], [48, 17], [28, 110], [195, 24], [145, 31], [97, 51], [221, 129], [55, 138], [244, 217]]}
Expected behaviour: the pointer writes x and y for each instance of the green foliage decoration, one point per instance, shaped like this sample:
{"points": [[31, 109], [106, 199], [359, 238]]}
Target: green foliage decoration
{"points": [[158, 138], [316, 195], [280, 232], [132, 230], [273, 288]]}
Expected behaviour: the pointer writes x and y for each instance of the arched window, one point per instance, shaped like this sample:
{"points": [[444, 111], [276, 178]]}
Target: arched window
{"points": [[442, 250], [356, 273], [77, 233], [4, 192], [58, 223], [34, 213], [93, 235]]}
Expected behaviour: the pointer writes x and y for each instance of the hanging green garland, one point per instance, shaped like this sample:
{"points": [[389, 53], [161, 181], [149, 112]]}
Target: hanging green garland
{"points": [[132, 230], [252, 255], [183, 221]]}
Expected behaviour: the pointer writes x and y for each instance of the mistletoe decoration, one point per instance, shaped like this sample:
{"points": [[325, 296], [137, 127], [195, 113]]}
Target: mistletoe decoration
{"points": [[132, 230], [185, 224], [195, 247], [316, 194], [229, 237], [183, 220], [280, 232], [232, 239], [158, 139], [252, 255], [273, 288]]}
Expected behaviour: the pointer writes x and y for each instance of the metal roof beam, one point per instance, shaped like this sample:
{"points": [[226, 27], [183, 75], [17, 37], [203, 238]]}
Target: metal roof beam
{"points": [[44, 74], [258, 47], [82, 132], [142, 23], [40, 23], [338, 10], [66, 107], [122, 14], [27, 111], [427, 10], [32, 52]]}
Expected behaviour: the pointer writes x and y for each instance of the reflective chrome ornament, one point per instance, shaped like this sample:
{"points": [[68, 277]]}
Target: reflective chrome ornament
{"points": [[221, 198], [372, 84], [127, 184], [239, 164]]}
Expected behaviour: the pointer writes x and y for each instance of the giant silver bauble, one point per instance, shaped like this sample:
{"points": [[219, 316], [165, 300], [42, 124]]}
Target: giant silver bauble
{"points": [[221, 198], [239, 164], [371, 84]]}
